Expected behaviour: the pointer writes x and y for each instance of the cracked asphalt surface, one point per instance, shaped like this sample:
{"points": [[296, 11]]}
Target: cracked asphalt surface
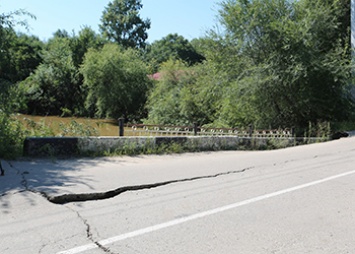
{"points": [[98, 205]]}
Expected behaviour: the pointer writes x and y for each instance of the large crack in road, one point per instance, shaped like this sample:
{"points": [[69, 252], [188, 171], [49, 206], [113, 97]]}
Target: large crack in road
{"points": [[68, 198], [89, 234], [81, 197]]}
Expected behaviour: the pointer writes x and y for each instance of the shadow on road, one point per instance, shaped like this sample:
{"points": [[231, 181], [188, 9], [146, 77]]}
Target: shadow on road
{"points": [[26, 180]]}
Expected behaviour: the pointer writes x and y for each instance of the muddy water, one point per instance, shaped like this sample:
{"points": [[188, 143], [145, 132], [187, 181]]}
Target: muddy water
{"points": [[103, 127]]}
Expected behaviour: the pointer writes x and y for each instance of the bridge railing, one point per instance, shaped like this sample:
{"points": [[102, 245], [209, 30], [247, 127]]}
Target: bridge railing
{"points": [[170, 130]]}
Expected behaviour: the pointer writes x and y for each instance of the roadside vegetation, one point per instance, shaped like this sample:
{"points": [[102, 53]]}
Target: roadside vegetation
{"points": [[271, 64]]}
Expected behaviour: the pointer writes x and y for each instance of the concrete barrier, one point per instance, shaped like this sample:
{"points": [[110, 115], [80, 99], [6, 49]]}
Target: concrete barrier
{"points": [[51, 146], [84, 146]]}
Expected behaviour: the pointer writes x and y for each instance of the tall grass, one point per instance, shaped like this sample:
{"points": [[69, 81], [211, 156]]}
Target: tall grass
{"points": [[13, 133]]}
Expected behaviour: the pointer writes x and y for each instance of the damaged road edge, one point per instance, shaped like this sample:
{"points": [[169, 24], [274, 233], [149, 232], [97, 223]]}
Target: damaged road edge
{"points": [[68, 198]]}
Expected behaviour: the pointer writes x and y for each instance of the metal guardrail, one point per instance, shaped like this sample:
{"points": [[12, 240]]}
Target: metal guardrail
{"points": [[166, 130]]}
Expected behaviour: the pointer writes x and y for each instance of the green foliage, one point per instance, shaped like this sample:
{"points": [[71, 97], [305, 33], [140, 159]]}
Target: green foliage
{"points": [[34, 129], [11, 134], [80, 44], [122, 24], [275, 63], [173, 46], [11, 137], [207, 94], [23, 57], [320, 130], [73, 128], [278, 64], [149, 147], [55, 83], [300, 62], [169, 101], [77, 130], [200, 45], [117, 82], [9, 41]]}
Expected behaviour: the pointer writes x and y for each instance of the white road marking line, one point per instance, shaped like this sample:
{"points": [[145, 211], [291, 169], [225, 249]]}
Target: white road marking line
{"points": [[199, 215]]}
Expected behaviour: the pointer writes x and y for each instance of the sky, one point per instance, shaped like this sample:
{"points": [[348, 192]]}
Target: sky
{"points": [[189, 18]]}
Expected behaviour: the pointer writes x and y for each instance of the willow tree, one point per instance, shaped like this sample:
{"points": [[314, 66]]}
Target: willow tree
{"points": [[299, 55], [117, 82]]}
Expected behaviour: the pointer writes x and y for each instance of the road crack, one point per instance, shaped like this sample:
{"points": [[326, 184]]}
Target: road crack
{"points": [[89, 234], [81, 197]]}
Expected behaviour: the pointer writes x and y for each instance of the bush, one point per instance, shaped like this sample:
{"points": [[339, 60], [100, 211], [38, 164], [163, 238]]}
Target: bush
{"points": [[11, 133], [11, 137]]}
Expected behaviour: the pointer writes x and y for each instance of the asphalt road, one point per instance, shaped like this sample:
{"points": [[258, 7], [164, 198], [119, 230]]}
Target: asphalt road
{"points": [[295, 200]]}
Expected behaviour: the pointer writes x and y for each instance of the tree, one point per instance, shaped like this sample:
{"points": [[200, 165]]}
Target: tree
{"points": [[7, 35], [54, 85], [173, 46], [200, 45], [25, 56], [117, 82], [299, 63], [207, 94], [278, 63], [122, 24], [166, 98], [80, 44], [10, 132], [61, 33]]}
